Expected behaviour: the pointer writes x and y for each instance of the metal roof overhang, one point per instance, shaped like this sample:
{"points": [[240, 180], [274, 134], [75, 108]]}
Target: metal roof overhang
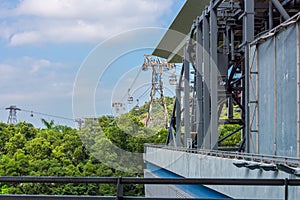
{"points": [[171, 45]]}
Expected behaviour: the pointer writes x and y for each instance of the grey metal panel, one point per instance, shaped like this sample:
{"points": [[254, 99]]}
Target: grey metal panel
{"points": [[266, 97], [277, 93], [286, 93], [298, 88]]}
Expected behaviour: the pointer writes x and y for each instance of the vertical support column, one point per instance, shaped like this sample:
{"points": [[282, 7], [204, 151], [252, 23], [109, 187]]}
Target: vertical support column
{"points": [[214, 77], [206, 83], [226, 47], [248, 33], [270, 15], [232, 51], [230, 108], [275, 99], [178, 115], [232, 48], [186, 99], [199, 84], [119, 189]]}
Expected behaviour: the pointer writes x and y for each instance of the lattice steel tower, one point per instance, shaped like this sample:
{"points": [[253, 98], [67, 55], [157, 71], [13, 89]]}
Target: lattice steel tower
{"points": [[157, 66], [12, 117], [118, 108]]}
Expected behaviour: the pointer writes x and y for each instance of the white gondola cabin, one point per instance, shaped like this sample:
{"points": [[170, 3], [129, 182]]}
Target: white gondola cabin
{"points": [[173, 79]]}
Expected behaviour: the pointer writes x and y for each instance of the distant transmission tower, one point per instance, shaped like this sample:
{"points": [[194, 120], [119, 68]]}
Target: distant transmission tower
{"points": [[12, 117], [157, 66], [119, 108], [80, 122]]}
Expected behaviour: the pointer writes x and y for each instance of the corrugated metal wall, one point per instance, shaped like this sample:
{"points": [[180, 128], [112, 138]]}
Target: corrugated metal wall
{"points": [[274, 105]]}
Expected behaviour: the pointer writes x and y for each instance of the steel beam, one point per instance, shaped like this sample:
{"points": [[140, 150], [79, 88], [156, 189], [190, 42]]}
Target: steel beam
{"points": [[232, 47], [270, 15], [215, 3], [214, 77], [199, 83], [186, 99], [226, 43], [281, 9], [206, 79], [248, 32]]}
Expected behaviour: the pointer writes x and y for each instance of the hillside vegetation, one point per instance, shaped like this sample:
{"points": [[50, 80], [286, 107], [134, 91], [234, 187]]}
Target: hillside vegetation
{"points": [[57, 150]]}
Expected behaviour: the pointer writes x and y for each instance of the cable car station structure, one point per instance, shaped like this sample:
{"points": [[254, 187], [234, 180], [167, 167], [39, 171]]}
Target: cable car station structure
{"points": [[238, 53], [217, 53], [245, 55]]}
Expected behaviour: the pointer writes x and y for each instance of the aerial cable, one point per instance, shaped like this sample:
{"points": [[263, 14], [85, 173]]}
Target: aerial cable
{"points": [[48, 115], [136, 77], [133, 82], [145, 93]]}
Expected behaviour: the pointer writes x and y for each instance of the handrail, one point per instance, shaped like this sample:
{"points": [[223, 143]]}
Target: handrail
{"points": [[132, 180], [120, 181]]}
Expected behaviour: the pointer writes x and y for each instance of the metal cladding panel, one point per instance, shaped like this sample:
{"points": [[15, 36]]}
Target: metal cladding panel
{"points": [[286, 96], [278, 98], [266, 97]]}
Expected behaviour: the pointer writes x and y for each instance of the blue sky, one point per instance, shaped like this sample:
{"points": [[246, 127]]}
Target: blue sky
{"points": [[43, 44]]}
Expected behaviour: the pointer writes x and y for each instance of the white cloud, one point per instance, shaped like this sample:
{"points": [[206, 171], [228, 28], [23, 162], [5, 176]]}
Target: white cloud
{"points": [[29, 80], [76, 21], [25, 38]]}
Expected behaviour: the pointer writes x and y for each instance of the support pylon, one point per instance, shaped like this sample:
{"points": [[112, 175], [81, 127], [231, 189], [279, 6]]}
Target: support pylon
{"points": [[80, 122], [12, 117], [157, 66], [118, 108]]}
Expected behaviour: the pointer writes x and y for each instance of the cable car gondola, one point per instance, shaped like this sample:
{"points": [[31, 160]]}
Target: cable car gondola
{"points": [[130, 100], [173, 79], [137, 107]]}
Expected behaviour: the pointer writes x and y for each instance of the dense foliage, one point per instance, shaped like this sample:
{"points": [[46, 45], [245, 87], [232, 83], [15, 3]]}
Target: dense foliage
{"points": [[224, 129], [58, 151], [100, 148]]}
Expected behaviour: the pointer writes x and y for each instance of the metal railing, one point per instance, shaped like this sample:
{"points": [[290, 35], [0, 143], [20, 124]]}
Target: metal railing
{"points": [[120, 181], [268, 159]]}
